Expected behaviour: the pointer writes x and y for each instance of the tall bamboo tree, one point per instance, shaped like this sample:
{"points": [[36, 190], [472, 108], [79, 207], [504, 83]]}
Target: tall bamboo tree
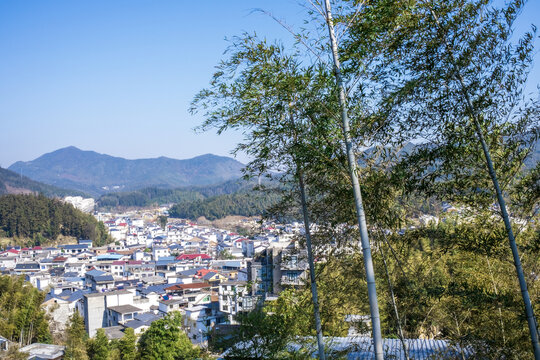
{"points": [[366, 247], [268, 95], [455, 75]]}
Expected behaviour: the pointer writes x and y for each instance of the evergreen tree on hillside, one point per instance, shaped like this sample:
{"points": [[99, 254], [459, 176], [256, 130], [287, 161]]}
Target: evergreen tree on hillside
{"points": [[76, 339], [38, 218]]}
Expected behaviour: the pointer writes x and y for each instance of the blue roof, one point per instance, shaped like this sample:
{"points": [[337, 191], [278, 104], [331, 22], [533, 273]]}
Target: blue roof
{"points": [[191, 272], [95, 272], [103, 278], [147, 317], [163, 261], [67, 295], [78, 295], [158, 289], [142, 319], [109, 257], [361, 348], [77, 246], [134, 324], [27, 266], [210, 275]]}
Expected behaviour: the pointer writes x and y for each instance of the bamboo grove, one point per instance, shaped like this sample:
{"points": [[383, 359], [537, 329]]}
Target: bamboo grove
{"points": [[382, 109]]}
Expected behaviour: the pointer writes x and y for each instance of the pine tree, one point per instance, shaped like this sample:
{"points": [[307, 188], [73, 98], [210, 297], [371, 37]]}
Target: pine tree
{"points": [[127, 345], [76, 339], [166, 340], [98, 347]]}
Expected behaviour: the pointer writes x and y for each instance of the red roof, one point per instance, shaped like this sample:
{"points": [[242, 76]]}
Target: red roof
{"points": [[193, 257], [38, 248], [59, 259], [203, 272], [122, 224], [118, 262], [25, 249], [13, 251]]}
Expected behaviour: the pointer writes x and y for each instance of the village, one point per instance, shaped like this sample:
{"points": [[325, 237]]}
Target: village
{"points": [[207, 274]]}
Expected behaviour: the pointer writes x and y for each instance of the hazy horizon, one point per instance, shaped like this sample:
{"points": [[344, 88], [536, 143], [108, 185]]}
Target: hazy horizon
{"points": [[118, 77]]}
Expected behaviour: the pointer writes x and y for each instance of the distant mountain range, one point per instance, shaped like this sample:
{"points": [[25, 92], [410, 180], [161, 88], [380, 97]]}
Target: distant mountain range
{"points": [[13, 183], [96, 174]]}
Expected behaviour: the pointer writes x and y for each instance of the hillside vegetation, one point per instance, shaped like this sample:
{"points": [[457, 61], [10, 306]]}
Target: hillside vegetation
{"points": [[21, 317], [247, 203], [156, 196], [43, 220]]}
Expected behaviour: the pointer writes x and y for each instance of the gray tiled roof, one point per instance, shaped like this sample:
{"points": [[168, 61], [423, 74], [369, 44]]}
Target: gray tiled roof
{"points": [[124, 309]]}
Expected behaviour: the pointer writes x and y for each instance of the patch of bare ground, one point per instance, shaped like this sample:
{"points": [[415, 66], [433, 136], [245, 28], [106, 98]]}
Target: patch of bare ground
{"points": [[16, 191], [241, 224], [17, 241]]}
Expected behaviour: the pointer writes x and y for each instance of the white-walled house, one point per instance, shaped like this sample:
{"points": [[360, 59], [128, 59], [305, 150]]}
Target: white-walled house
{"points": [[235, 297]]}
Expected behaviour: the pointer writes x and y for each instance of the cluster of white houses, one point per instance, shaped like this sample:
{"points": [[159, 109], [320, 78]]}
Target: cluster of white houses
{"points": [[209, 275]]}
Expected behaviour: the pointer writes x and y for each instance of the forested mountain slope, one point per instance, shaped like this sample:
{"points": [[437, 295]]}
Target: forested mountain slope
{"points": [[43, 220], [97, 174]]}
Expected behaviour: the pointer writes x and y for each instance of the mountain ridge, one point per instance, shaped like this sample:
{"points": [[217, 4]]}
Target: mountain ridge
{"points": [[95, 173], [13, 183]]}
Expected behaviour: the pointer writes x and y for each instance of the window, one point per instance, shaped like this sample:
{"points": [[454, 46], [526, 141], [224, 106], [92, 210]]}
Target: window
{"points": [[291, 275], [294, 260]]}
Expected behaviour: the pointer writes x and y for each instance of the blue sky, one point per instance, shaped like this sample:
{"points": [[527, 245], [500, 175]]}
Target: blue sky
{"points": [[117, 76]]}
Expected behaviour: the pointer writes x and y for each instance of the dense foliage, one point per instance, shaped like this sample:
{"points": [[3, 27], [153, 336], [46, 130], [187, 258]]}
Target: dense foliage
{"points": [[450, 280], [147, 197], [244, 204], [98, 347], [76, 338], [450, 72], [156, 196], [42, 219], [21, 317], [166, 340]]}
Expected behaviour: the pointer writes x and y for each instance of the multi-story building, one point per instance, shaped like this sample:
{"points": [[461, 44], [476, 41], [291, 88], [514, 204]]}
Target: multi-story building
{"points": [[235, 297], [279, 266], [96, 308]]}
